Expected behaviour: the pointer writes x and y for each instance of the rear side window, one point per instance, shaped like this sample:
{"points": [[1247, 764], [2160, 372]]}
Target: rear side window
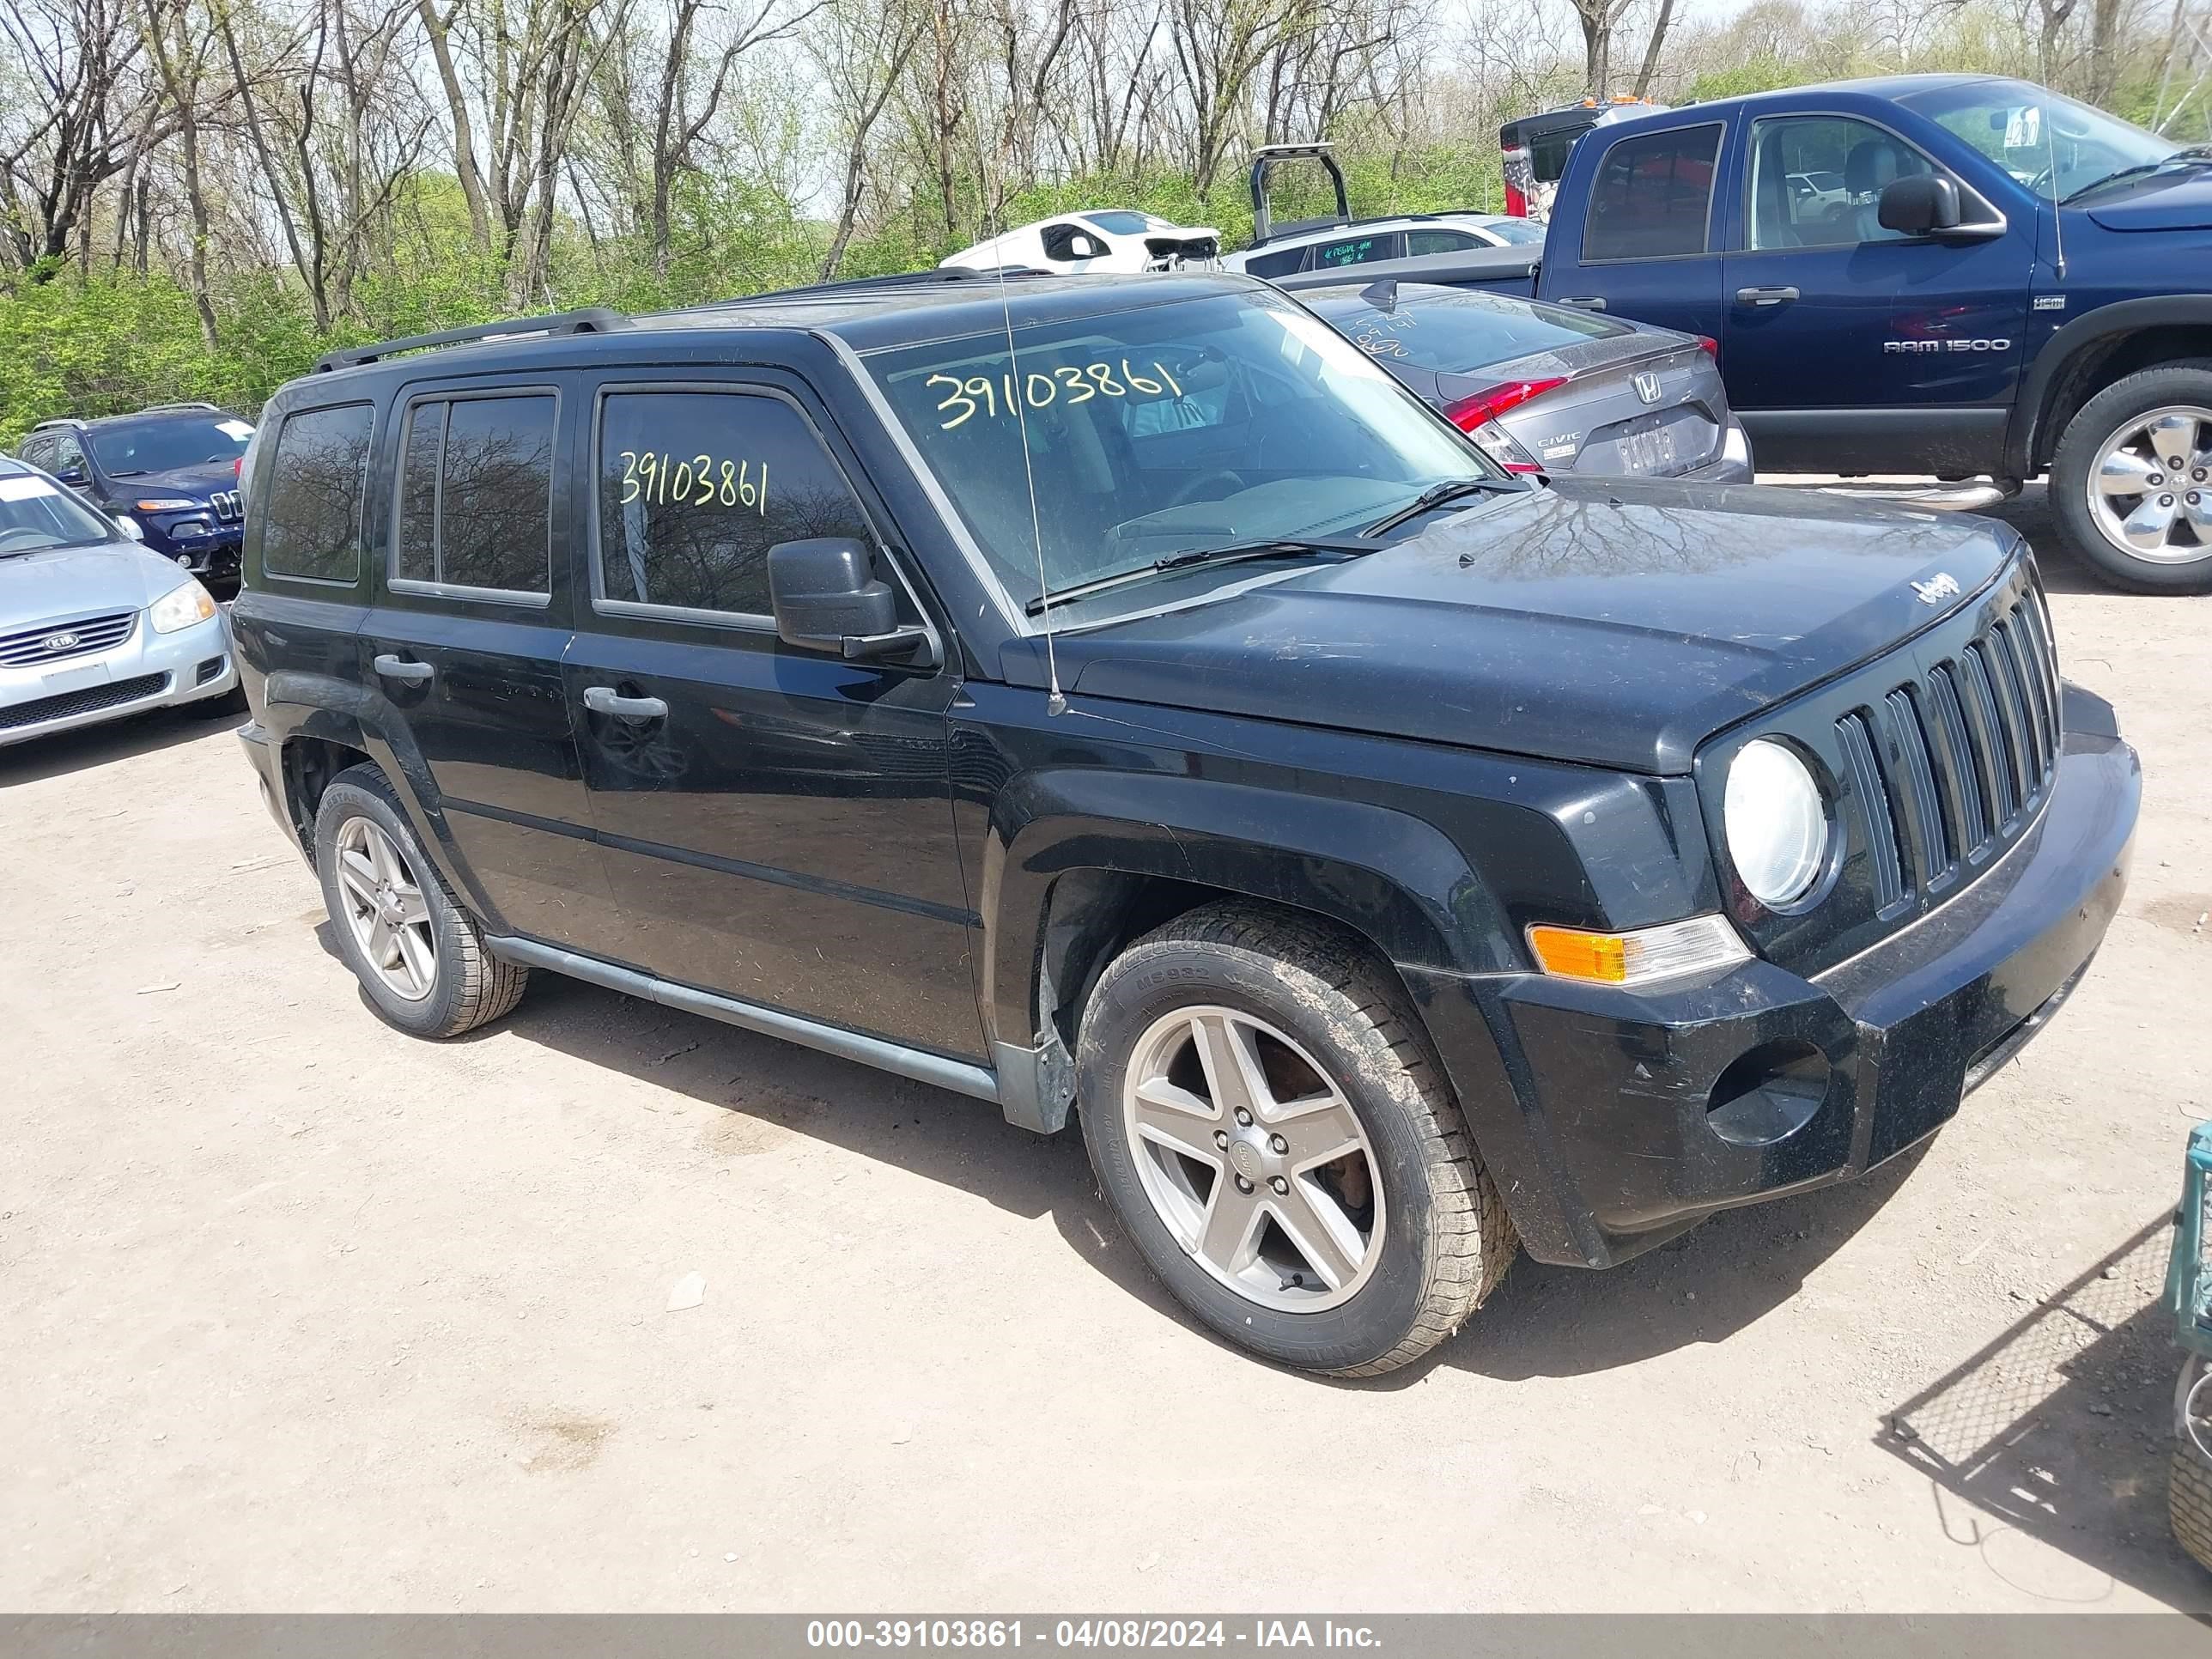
{"points": [[1454, 331], [311, 523], [475, 489], [1653, 196], [695, 487], [1418, 242], [1357, 251], [1276, 265]]}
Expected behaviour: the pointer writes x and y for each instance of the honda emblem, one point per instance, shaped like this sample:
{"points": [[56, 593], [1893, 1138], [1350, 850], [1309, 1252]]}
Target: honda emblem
{"points": [[1647, 386]]}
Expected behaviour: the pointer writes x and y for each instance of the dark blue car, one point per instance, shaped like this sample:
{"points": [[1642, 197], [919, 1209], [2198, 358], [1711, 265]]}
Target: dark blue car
{"points": [[167, 474]]}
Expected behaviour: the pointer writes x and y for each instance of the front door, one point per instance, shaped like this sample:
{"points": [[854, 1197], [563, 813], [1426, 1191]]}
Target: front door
{"points": [[465, 642], [1919, 343], [777, 824]]}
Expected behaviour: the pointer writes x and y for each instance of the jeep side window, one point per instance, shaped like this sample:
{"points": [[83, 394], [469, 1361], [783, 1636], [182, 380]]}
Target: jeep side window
{"points": [[68, 453], [40, 453], [694, 488], [1652, 198], [1857, 156], [475, 485], [311, 524]]}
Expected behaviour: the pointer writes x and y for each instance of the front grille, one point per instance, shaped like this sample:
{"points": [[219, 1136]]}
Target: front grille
{"points": [[1945, 767], [52, 641], [225, 502], [113, 695]]}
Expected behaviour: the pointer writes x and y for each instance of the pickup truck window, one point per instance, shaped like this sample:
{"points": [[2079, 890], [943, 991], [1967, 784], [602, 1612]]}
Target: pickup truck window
{"points": [[311, 525], [695, 487], [1816, 180], [1162, 429], [476, 488], [2054, 146], [1652, 198]]}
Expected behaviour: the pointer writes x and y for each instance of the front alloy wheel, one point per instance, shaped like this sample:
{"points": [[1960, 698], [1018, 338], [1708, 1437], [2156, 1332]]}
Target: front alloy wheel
{"points": [[2131, 481], [1253, 1159]]}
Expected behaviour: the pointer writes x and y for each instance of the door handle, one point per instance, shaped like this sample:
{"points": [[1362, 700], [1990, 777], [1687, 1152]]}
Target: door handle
{"points": [[1591, 302], [1765, 296], [606, 699], [398, 668]]}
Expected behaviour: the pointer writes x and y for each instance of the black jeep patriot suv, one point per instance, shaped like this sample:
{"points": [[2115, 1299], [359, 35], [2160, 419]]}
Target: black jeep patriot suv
{"points": [[1119, 695]]}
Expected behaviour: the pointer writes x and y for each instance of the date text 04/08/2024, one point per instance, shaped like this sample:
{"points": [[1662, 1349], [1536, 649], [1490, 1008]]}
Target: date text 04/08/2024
{"points": [[1115, 1633]]}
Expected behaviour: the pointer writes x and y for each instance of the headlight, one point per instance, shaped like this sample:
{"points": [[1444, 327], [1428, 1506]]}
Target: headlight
{"points": [[129, 526], [180, 607], [1776, 823], [167, 504]]}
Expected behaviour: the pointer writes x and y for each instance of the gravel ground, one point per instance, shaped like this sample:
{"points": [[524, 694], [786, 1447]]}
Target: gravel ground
{"points": [[304, 1314]]}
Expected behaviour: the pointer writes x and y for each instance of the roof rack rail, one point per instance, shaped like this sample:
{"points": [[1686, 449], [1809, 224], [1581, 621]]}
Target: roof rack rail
{"points": [[895, 279], [170, 408], [596, 320], [58, 420]]}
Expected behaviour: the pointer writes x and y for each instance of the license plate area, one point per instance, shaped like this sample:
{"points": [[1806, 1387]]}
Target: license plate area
{"points": [[64, 681]]}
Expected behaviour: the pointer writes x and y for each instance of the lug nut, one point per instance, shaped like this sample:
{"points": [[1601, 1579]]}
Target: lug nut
{"points": [[2197, 473], [1280, 1145], [1280, 1186], [1244, 1117], [2165, 501], [1221, 1139], [1244, 1186], [2155, 479]]}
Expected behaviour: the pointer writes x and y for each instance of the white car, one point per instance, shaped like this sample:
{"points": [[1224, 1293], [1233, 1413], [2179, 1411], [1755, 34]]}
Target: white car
{"points": [[1362, 241], [1103, 240]]}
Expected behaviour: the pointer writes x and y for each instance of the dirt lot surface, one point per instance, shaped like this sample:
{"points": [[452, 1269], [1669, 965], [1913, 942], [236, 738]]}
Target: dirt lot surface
{"points": [[301, 1314]]}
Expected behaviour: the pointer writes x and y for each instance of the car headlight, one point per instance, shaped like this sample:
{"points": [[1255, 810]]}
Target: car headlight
{"points": [[1776, 823], [180, 607], [167, 504], [129, 525]]}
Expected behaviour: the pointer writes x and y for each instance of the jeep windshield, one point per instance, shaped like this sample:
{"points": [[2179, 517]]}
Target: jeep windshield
{"points": [[129, 449], [1234, 421], [36, 516]]}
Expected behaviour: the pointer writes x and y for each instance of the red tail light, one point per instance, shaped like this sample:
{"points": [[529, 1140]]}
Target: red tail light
{"points": [[237, 467], [1711, 347], [1469, 413]]}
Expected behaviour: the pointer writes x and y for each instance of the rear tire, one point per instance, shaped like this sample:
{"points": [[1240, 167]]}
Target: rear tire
{"points": [[2108, 442], [1376, 1231], [419, 955]]}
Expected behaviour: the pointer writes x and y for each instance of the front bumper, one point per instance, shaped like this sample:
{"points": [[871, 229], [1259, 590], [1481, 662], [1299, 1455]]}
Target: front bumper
{"points": [[209, 557], [147, 671], [1613, 1120]]}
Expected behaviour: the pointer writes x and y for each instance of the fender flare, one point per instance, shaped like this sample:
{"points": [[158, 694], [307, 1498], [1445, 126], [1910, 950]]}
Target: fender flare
{"points": [[301, 704], [1398, 882], [2064, 348]]}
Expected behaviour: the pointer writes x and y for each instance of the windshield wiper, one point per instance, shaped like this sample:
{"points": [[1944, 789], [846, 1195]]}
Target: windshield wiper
{"points": [[1271, 547], [2187, 153], [1435, 497]]}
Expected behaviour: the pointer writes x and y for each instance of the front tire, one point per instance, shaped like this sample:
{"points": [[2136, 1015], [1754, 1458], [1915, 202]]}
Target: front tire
{"points": [[1264, 1115], [2144, 522], [419, 957]]}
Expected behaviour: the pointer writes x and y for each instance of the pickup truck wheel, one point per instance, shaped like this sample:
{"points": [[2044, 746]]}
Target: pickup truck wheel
{"points": [[1264, 1115], [2132, 480], [419, 957]]}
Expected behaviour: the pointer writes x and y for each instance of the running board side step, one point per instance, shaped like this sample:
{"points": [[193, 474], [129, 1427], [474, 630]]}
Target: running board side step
{"points": [[919, 1064], [1973, 496]]}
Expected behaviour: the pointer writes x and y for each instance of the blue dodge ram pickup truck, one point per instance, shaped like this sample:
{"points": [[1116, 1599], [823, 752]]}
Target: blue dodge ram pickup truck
{"points": [[1943, 274]]}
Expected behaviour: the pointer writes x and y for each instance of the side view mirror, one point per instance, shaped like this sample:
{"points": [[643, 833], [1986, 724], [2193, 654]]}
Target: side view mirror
{"points": [[74, 476], [1924, 204], [827, 598]]}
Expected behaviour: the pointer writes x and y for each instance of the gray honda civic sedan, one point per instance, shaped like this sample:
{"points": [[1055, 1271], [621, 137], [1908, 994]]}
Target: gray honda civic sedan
{"points": [[93, 626]]}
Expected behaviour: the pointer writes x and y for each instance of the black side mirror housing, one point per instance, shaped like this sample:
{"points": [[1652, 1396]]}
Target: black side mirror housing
{"points": [[827, 598], [1924, 204], [74, 476]]}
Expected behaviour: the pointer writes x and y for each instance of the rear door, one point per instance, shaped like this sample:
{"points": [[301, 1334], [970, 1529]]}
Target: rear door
{"points": [[1649, 243], [464, 640], [777, 823], [1919, 341]]}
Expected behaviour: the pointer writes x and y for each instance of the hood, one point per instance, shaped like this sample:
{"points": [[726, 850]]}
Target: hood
{"points": [[2163, 201], [1614, 622], [69, 582], [199, 481]]}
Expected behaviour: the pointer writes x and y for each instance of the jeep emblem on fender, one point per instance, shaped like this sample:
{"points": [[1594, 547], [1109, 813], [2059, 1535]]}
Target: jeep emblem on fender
{"points": [[1937, 588], [59, 642], [1647, 386]]}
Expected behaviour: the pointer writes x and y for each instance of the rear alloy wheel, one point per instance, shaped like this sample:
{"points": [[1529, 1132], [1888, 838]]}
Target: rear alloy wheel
{"points": [[420, 958], [2132, 480], [1265, 1118]]}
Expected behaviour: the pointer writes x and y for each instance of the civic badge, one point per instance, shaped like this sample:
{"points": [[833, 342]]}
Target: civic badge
{"points": [[1647, 386], [1937, 588], [58, 643]]}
